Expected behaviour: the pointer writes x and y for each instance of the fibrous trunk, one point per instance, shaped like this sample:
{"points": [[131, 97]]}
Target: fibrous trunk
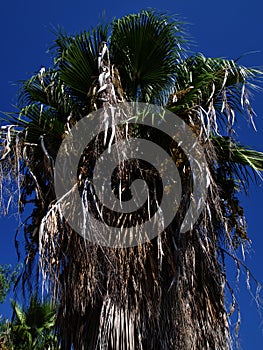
{"points": [[167, 293]]}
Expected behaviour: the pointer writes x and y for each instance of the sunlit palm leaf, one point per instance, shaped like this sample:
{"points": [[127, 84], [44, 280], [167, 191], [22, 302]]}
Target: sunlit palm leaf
{"points": [[229, 151], [19, 312], [146, 48], [219, 86], [240, 162]]}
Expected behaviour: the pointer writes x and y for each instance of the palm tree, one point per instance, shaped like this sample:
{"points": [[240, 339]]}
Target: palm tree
{"points": [[32, 328], [168, 293]]}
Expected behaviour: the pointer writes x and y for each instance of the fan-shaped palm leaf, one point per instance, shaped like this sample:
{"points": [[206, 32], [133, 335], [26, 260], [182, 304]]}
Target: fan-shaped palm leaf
{"points": [[240, 161], [47, 89], [216, 86], [78, 64], [146, 48], [229, 151]]}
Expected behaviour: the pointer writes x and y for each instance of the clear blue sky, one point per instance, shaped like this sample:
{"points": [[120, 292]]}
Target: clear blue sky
{"points": [[226, 28]]}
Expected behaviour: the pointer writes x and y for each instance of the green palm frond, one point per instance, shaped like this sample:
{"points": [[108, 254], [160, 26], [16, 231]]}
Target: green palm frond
{"points": [[41, 122], [32, 91], [35, 126], [61, 45], [146, 48], [239, 161], [210, 76], [218, 86], [19, 313], [229, 151], [40, 316], [36, 118], [78, 65], [49, 90]]}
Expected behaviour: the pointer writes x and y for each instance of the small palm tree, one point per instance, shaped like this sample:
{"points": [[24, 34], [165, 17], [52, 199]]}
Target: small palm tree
{"points": [[33, 328], [168, 293]]}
